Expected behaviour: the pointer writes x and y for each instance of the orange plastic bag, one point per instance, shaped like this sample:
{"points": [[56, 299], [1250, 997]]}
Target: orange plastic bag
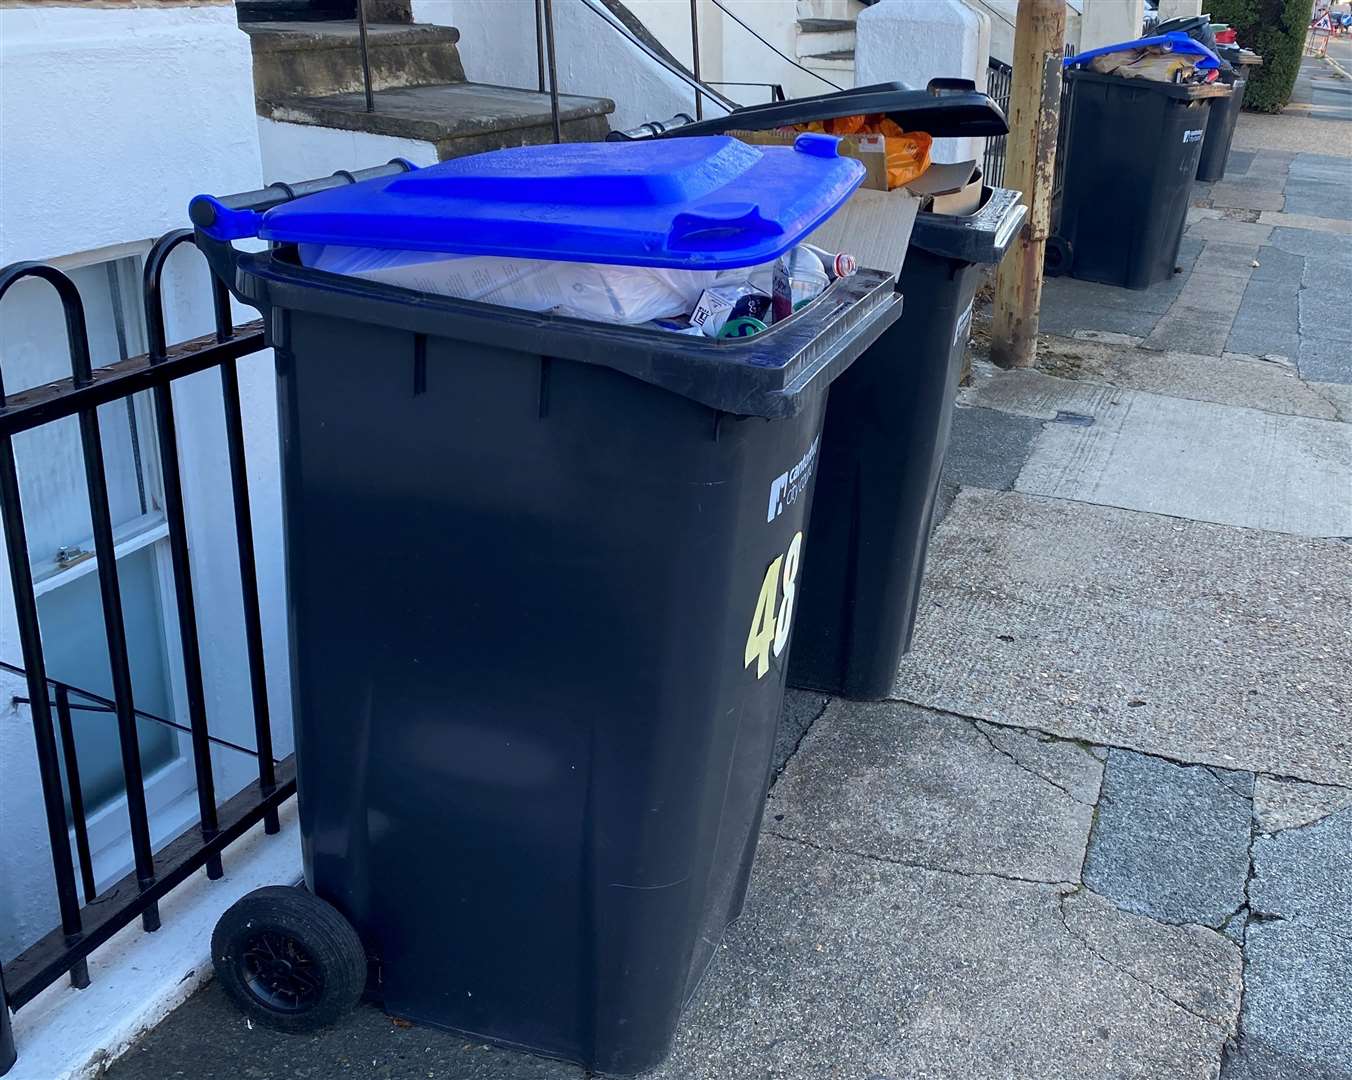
{"points": [[907, 152]]}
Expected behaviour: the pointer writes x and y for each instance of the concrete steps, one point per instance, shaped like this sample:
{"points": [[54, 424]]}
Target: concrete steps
{"points": [[457, 118], [826, 43], [310, 59], [310, 74]]}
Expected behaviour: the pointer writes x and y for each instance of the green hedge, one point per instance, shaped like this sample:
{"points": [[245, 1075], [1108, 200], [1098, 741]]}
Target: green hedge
{"points": [[1275, 29]]}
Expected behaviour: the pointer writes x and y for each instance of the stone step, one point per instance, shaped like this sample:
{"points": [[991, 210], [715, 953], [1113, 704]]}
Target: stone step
{"points": [[825, 26], [315, 59], [458, 118], [835, 59], [825, 40]]}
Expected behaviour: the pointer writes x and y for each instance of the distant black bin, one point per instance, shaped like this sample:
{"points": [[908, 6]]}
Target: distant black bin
{"points": [[1131, 148], [541, 583], [888, 417], [1220, 133], [883, 448]]}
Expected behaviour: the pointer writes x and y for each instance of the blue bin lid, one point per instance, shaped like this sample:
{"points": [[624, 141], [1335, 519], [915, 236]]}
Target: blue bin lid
{"points": [[1174, 41], [702, 203]]}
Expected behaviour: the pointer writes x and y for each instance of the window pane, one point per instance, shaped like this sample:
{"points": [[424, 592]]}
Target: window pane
{"points": [[51, 468], [76, 652]]}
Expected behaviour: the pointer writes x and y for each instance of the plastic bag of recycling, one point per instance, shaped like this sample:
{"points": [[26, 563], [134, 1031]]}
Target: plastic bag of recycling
{"points": [[1154, 64], [601, 293], [907, 152]]}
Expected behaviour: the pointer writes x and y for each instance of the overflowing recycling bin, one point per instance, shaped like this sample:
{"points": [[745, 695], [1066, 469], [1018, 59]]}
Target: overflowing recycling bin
{"points": [[889, 415], [539, 608], [1131, 142], [1235, 62]]}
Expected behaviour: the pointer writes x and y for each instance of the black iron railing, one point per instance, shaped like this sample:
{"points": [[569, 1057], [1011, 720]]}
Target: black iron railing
{"points": [[999, 79], [86, 917]]}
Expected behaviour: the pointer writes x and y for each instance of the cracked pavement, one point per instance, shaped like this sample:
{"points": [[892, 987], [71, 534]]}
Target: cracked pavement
{"points": [[1103, 829]]}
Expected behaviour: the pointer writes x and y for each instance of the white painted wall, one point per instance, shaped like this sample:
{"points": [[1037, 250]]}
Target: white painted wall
{"points": [[300, 152], [497, 45], [1106, 22], [1002, 15], [913, 43], [113, 118], [1178, 9]]}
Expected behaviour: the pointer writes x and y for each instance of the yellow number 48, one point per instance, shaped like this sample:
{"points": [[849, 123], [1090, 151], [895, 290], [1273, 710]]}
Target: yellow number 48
{"points": [[770, 628]]}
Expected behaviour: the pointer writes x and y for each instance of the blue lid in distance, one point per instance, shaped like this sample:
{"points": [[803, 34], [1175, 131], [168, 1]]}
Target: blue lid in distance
{"points": [[706, 203]]}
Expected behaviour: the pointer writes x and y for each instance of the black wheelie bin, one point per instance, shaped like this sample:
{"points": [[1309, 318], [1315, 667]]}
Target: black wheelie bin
{"points": [[889, 415], [1220, 127], [883, 449], [1131, 148], [539, 609]]}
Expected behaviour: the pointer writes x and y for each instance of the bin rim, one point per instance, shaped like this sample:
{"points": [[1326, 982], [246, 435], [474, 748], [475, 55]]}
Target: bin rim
{"points": [[1181, 91], [980, 237], [764, 375]]}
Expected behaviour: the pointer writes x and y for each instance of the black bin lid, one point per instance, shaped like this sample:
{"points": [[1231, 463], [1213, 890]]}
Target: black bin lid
{"points": [[945, 109]]}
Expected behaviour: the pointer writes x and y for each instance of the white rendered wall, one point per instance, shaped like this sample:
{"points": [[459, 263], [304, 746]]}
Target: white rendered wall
{"points": [[1178, 9], [301, 152], [1002, 15], [1106, 22], [497, 45], [113, 118], [913, 43]]}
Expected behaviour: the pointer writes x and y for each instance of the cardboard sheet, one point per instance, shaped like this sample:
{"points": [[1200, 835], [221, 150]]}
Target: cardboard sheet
{"points": [[873, 226]]}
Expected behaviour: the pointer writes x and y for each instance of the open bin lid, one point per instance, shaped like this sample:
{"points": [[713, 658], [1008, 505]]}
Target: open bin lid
{"points": [[946, 109], [712, 203]]}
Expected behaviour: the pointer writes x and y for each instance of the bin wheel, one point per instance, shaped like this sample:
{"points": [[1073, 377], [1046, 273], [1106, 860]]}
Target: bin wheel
{"points": [[1056, 257], [289, 960]]}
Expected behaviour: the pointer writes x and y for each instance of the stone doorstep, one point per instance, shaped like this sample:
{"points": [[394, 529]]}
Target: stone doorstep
{"points": [[448, 114], [301, 60]]}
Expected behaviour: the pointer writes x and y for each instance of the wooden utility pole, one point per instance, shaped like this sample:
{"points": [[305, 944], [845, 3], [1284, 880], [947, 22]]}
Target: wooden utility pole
{"points": [[1030, 165]]}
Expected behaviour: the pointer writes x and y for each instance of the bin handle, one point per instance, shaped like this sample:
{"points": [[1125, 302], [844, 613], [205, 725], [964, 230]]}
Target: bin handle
{"points": [[717, 228], [219, 220], [239, 217]]}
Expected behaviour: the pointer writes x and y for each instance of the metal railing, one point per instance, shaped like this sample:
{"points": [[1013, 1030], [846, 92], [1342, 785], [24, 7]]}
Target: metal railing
{"points": [[999, 81], [83, 926], [547, 63]]}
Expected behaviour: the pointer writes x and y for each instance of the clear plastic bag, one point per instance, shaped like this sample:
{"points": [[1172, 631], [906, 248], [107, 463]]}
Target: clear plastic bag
{"points": [[613, 294]]}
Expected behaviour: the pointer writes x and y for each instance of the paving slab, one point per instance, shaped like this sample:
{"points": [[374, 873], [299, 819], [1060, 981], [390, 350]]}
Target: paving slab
{"points": [[1297, 1016], [1200, 319], [1230, 379], [1318, 194], [986, 448], [1237, 164], [1288, 133], [1337, 394], [1291, 804], [1317, 242], [1197, 642], [1255, 469], [1171, 841], [1305, 221], [1201, 972], [844, 968], [1306, 874], [899, 783], [1325, 360], [1228, 230], [1251, 196]]}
